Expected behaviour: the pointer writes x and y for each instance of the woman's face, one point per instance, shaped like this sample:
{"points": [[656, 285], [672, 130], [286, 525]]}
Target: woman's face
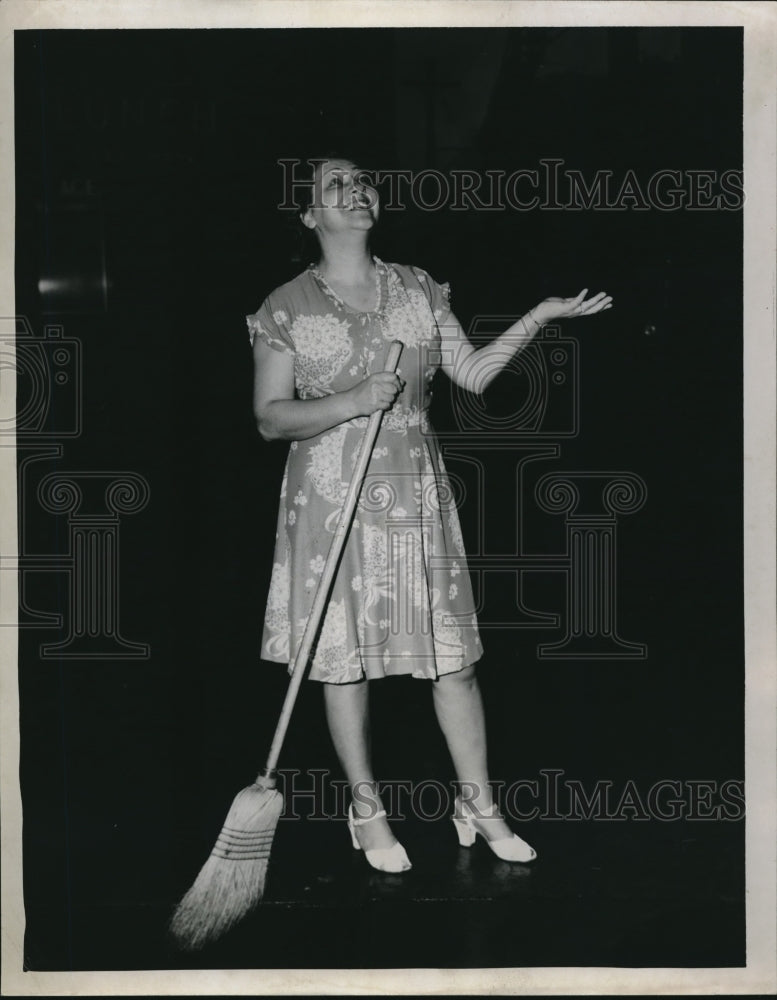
{"points": [[343, 201]]}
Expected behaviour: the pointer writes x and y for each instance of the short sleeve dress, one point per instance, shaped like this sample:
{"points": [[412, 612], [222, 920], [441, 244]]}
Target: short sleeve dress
{"points": [[401, 601]]}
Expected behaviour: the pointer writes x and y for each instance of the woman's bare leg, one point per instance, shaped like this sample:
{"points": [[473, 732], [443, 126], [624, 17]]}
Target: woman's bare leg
{"points": [[459, 709], [348, 717]]}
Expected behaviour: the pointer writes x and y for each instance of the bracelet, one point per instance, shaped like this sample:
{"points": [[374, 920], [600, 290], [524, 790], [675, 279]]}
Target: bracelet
{"points": [[539, 325]]}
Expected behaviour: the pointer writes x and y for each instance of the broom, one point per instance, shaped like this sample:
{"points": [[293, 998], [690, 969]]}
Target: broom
{"points": [[231, 882]]}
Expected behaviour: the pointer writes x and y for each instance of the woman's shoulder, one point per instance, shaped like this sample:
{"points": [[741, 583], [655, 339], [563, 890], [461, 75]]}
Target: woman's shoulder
{"points": [[410, 270], [414, 276], [283, 304], [290, 291], [419, 281]]}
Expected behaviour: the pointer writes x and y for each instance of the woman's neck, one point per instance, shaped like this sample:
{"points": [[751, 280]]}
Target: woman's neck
{"points": [[348, 265]]}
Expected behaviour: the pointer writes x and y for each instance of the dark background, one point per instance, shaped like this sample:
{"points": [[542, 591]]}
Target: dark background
{"points": [[147, 185]]}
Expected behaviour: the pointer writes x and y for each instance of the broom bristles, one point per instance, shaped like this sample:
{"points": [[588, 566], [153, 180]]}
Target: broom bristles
{"points": [[231, 882]]}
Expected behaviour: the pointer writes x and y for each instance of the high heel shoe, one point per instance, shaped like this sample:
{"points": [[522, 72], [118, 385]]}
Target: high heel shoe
{"points": [[506, 848], [385, 859]]}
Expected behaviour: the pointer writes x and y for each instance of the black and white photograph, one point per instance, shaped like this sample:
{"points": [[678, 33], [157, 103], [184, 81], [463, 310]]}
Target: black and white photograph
{"points": [[389, 601]]}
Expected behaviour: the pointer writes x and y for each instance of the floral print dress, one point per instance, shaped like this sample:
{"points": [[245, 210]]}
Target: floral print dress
{"points": [[401, 601]]}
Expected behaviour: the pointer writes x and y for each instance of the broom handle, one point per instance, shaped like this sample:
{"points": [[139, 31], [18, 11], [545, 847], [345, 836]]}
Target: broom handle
{"points": [[335, 550]]}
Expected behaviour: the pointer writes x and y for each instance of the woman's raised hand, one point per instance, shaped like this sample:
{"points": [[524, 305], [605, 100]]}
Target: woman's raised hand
{"points": [[376, 392], [557, 308]]}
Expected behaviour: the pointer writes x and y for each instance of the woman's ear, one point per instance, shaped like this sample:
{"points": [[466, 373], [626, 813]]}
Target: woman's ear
{"points": [[307, 220]]}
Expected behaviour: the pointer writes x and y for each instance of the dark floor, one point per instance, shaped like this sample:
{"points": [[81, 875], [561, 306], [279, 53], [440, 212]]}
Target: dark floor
{"points": [[599, 893], [115, 836]]}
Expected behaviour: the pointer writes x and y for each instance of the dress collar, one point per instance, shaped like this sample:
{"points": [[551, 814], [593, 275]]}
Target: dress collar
{"points": [[380, 270]]}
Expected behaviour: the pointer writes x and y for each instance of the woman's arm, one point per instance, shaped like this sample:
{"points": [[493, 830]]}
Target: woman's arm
{"points": [[280, 416], [475, 368]]}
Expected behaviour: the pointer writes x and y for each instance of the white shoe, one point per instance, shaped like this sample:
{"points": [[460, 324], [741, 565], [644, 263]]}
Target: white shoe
{"points": [[385, 859], [506, 848]]}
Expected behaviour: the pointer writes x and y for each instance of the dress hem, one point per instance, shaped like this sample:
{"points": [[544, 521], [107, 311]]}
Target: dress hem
{"points": [[378, 677]]}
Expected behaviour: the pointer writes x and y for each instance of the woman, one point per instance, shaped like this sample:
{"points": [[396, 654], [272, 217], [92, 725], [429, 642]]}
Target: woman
{"points": [[402, 599]]}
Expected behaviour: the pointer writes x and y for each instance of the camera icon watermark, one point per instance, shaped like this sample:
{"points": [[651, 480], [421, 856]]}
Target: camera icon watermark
{"points": [[49, 391], [48, 375]]}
